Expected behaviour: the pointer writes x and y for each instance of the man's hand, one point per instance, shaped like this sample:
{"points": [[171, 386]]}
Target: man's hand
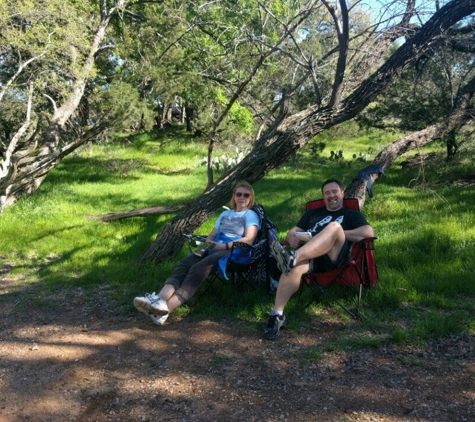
{"points": [[294, 241]]}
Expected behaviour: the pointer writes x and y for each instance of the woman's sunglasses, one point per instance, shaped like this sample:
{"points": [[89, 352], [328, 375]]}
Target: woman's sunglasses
{"points": [[245, 194]]}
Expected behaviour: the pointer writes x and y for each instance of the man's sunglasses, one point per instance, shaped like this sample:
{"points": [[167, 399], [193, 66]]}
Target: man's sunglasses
{"points": [[245, 194]]}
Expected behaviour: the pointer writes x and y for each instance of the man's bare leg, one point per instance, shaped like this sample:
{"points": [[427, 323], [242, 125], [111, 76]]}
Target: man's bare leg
{"points": [[288, 285], [328, 242]]}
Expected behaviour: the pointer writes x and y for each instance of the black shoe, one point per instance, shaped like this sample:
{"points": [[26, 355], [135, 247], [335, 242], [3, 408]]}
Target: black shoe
{"points": [[285, 259], [276, 322]]}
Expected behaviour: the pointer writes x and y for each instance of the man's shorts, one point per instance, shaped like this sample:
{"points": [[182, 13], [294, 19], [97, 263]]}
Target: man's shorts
{"points": [[323, 264]]}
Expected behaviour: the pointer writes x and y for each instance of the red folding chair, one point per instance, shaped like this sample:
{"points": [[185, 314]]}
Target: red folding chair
{"points": [[359, 272]]}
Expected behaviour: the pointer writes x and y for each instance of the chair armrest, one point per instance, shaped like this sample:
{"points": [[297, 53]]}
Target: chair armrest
{"points": [[367, 243], [368, 239], [194, 240], [241, 245]]}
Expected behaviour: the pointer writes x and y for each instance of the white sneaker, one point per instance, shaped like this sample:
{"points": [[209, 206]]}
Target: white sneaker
{"points": [[151, 303], [158, 320]]}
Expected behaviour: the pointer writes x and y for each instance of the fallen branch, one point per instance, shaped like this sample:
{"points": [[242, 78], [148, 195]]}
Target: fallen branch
{"points": [[143, 212]]}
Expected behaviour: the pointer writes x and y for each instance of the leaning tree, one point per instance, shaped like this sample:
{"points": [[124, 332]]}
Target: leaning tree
{"points": [[356, 81]]}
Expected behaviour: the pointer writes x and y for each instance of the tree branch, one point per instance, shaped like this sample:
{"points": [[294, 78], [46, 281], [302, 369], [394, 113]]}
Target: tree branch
{"points": [[142, 212], [342, 30]]}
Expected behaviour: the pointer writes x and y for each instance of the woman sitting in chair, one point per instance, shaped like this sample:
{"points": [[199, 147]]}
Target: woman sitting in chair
{"points": [[238, 223]]}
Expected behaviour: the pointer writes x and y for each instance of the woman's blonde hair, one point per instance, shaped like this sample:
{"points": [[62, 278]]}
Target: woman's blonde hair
{"points": [[246, 185]]}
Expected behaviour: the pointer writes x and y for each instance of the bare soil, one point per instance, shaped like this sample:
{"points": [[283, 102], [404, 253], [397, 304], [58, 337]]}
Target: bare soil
{"points": [[84, 360]]}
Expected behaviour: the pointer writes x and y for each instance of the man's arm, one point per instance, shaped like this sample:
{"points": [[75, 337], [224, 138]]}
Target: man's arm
{"points": [[359, 233]]}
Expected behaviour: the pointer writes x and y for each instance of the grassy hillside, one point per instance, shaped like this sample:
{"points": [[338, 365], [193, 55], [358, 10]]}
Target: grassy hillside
{"points": [[422, 216]]}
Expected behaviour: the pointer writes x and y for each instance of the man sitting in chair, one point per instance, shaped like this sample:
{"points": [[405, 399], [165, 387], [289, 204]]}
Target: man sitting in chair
{"points": [[326, 245]]}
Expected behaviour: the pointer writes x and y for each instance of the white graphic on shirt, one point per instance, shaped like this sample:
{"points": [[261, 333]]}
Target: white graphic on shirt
{"points": [[233, 226], [323, 222]]}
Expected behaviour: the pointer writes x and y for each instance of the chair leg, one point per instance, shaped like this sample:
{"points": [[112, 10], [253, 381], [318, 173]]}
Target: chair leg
{"points": [[209, 283], [360, 292], [326, 293]]}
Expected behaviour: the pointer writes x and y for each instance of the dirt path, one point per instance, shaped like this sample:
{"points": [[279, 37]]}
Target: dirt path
{"points": [[79, 361]]}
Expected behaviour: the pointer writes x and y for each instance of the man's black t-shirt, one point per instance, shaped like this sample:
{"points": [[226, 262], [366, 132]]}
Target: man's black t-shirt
{"points": [[316, 219]]}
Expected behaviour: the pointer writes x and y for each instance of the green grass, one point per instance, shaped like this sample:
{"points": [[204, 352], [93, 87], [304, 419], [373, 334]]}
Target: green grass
{"points": [[423, 219]]}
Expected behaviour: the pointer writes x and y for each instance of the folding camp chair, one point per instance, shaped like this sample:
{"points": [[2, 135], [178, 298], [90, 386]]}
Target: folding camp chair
{"points": [[359, 272], [246, 265]]}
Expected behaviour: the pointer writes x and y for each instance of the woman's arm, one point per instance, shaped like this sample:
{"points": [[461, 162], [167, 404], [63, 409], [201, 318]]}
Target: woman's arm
{"points": [[212, 235], [249, 235]]}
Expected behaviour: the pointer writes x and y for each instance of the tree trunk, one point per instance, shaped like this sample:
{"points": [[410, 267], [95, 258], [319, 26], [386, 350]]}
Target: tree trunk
{"points": [[189, 117], [452, 146], [168, 117], [182, 114], [171, 239], [159, 118]]}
